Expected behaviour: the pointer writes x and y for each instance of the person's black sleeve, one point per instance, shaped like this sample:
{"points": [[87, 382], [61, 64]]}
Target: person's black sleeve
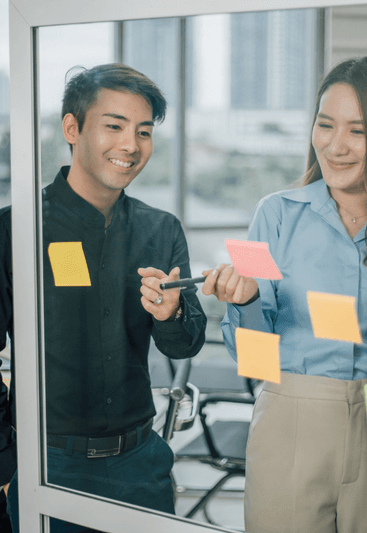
{"points": [[7, 445], [184, 337]]}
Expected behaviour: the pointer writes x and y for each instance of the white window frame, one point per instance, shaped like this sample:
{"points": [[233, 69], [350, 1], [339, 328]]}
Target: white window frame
{"points": [[36, 499]]}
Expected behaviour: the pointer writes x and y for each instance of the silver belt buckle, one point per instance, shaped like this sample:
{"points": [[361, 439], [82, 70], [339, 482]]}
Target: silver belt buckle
{"points": [[94, 453]]}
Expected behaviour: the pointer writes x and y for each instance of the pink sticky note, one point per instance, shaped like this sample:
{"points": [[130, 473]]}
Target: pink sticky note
{"points": [[252, 259]]}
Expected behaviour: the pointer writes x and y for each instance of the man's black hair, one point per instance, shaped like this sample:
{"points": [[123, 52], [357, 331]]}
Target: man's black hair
{"points": [[83, 88]]}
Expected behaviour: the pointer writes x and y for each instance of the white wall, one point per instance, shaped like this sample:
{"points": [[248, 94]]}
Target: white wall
{"points": [[348, 33]]}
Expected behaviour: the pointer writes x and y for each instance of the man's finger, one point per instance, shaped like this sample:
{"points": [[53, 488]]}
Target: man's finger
{"points": [[150, 294], [174, 275], [151, 272]]}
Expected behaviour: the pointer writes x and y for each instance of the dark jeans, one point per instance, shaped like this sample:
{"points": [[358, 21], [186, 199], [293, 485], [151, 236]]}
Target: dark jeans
{"points": [[140, 476]]}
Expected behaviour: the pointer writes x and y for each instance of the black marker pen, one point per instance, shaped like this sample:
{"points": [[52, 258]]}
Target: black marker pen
{"points": [[181, 283]]}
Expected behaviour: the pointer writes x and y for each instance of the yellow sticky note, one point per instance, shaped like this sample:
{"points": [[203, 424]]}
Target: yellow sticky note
{"points": [[258, 354], [68, 264], [365, 394], [333, 316]]}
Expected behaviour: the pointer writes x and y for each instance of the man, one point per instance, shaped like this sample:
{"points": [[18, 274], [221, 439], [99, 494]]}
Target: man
{"points": [[105, 255]]}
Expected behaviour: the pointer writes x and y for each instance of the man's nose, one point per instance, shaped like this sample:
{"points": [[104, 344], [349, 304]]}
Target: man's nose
{"points": [[127, 141], [338, 144]]}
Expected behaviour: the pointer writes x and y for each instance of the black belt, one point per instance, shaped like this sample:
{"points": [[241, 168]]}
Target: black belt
{"points": [[102, 446]]}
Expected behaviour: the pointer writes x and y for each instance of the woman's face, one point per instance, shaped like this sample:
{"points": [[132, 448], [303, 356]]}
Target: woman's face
{"points": [[339, 140]]}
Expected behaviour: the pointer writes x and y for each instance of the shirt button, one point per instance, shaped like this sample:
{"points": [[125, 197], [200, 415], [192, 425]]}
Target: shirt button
{"points": [[103, 265], [106, 312], [109, 400], [109, 357]]}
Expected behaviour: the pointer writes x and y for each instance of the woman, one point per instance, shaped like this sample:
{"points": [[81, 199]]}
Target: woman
{"points": [[307, 447]]}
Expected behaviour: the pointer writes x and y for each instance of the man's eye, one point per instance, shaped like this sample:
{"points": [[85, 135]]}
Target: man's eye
{"points": [[113, 126], [144, 133]]}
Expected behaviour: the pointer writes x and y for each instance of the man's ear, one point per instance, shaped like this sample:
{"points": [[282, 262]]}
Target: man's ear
{"points": [[70, 128]]}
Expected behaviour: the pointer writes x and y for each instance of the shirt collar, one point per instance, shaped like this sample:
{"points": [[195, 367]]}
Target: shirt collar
{"points": [[317, 195], [77, 204]]}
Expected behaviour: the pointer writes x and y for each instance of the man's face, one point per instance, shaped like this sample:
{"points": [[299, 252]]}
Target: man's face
{"points": [[115, 143]]}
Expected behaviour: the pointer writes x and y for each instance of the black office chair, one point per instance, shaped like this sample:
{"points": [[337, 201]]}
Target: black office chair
{"points": [[222, 445], [182, 396]]}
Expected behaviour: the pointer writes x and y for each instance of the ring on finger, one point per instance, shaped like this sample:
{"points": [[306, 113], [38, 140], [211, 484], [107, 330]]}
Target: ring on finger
{"points": [[158, 300]]}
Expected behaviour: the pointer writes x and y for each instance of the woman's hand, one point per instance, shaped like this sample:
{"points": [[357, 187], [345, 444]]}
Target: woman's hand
{"points": [[228, 286]]}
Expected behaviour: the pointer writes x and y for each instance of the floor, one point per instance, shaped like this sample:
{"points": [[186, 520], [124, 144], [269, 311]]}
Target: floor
{"points": [[226, 508]]}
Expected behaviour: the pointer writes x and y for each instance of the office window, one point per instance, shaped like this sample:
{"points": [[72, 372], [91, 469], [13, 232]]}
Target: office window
{"points": [[249, 60], [249, 82], [248, 118], [250, 91], [60, 49], [150, 46], [4, 107]]}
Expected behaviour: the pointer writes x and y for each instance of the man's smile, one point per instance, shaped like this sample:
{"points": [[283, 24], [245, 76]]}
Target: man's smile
{"points": [[120, 163]]}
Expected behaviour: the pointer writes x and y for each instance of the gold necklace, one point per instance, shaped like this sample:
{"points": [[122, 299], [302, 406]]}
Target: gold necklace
{"points": [[354, 219]]}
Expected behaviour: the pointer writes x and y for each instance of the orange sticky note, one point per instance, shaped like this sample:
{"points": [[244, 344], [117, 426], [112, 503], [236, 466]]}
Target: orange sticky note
{"points": [[252, 259], [333, 316], [68, 264], [258, 354]]}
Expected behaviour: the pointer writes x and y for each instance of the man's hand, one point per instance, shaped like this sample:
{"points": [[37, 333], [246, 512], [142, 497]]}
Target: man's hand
{"points": [[228, 286], [151, 280], [5, 488]]}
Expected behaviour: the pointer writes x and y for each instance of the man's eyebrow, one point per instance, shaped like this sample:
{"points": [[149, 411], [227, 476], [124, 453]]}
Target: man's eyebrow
{"points": [[323, 115], [121, 117]]}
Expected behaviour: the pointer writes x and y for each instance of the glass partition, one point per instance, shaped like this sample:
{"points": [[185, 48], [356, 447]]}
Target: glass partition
{"points": [[75, 504], [246, 127]]}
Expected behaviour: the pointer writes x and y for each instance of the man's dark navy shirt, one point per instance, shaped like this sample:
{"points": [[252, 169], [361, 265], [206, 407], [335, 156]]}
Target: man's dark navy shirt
{"points": [[97, 337]]}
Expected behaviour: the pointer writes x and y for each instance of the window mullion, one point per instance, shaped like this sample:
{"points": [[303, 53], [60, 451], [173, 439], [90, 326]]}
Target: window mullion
{"points": [[179, 158]]}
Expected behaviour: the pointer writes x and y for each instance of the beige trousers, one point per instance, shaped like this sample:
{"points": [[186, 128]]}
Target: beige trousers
{"points": [[307, 457]]}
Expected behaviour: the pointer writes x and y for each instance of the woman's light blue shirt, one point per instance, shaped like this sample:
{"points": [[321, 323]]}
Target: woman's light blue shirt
{"points": [[314, 252]]}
